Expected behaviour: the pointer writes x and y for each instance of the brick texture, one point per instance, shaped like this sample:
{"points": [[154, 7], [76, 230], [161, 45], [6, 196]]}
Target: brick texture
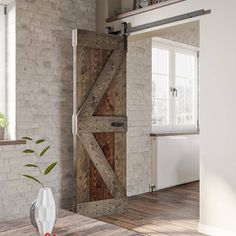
{"points": [[43, 98], [139, 108]]}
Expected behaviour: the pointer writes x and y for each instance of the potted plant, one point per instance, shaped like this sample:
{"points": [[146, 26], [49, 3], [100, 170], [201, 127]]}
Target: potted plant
{"points": [[3, 126], [45, 208]]}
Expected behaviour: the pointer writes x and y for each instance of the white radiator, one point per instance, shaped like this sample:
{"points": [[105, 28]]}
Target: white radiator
{"points": [[175, 160]]}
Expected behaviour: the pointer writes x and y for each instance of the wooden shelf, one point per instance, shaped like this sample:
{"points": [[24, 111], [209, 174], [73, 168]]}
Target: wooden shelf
{"points": [[142, 10], [12, 142]]}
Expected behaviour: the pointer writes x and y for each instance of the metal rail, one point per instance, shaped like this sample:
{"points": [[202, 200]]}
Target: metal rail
{"points": [[126, 28]]}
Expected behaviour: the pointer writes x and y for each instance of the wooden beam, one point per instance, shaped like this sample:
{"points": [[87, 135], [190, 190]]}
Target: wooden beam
{"points": [[102, 165], [12, 142], [101, 41], [98, 124], [102, 83], [103, 207]]}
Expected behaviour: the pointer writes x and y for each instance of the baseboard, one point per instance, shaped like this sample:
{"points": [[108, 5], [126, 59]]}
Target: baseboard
{"points": [[213, 231]]}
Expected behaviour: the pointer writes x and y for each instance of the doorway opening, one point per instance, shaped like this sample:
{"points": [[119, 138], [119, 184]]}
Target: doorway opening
{"points": [[163, 132]]}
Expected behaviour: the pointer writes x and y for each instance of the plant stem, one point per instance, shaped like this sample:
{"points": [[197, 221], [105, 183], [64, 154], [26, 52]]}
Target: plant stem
{"points": [[40, 169]]}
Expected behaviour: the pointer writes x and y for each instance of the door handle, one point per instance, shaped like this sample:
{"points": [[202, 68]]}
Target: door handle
{"points": [[117, 124], [174, 91]]}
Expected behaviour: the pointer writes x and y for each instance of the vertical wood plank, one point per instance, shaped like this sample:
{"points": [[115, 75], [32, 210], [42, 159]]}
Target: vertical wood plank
{"points": [[102, 84], [98, 188], [101, 91], [102, 165], [84, 81], [106, 140]]}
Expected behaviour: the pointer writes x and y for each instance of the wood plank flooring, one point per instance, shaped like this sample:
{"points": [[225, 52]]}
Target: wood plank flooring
{"points": [[68, 224], [169, 212]]}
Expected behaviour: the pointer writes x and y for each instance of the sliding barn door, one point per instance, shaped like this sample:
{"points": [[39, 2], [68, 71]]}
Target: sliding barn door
{"points": [[99, 123]]}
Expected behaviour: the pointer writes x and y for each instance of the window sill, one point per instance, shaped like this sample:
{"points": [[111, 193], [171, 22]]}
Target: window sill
{"points": [[12, 142], [175, 133]]}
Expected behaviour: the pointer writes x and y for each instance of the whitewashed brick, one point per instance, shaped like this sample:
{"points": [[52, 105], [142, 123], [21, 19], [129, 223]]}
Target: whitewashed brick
{"points": [[43, 98]]}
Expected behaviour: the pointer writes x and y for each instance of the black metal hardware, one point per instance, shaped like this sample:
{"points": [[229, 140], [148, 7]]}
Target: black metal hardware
{"points": [[117, 124], [108, 30], [174, 91], [127, 29]]}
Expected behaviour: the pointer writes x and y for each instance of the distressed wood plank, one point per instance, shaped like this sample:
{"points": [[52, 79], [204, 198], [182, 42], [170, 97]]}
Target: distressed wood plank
{"points": [[102, 83], [106, 144], [82, 179], [103, 207], [102, 165], [90, 64], [85, 80], [96, 124], [98, 189], [101, 41], [99, 60], [105, 140]]}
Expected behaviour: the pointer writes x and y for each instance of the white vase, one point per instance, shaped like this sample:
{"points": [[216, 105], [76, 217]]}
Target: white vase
{"points": [[45, 211]]}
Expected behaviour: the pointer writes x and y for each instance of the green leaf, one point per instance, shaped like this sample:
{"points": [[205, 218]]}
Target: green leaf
{"points": [[31, 165], [40, 141], [27, 138], [49, 168], [32, 178], [44, 151], [28, 151]]}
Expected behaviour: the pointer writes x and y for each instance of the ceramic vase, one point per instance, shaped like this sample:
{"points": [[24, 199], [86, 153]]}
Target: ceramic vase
{"points": [[45, 211]]}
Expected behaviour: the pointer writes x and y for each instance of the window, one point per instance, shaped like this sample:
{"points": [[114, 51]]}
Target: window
{"points": [[174, 88], [2, 59]]}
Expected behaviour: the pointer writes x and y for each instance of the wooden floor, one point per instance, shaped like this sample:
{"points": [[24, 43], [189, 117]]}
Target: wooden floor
{"points": [[172, 212]]}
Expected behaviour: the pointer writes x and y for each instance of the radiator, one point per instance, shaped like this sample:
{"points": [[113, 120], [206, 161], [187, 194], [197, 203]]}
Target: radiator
{"points": [[175, 160]]}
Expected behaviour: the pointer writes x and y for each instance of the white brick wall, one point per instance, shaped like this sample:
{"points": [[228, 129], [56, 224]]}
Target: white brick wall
{"points": [[139, 116], [188, 36], [43, 97]]}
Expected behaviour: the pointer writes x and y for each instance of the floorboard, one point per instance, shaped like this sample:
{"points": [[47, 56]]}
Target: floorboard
{"points": [[169, 212]]}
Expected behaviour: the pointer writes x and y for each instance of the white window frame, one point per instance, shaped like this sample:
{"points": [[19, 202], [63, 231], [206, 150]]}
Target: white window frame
{"points": [[3, 35], [174, 47]]}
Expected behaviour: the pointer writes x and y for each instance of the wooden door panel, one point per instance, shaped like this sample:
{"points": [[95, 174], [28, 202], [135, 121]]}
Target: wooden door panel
{"points": [[101, 123], [99, 190]]}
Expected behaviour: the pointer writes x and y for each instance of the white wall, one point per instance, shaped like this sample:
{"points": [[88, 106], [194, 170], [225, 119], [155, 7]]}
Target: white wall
{"points": [[218, 117], [217, 108]]}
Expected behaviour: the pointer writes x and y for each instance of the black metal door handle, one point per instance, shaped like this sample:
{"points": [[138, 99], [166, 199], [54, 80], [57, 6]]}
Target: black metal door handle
{"points": [[117, 124]]}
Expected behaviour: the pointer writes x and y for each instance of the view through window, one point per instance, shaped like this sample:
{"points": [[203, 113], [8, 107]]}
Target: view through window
{"points": [[174, 88]]}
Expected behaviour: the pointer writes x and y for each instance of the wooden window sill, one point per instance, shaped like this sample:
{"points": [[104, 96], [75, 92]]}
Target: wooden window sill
{"points": [[175, 134], [12, 142], [142, 10]]}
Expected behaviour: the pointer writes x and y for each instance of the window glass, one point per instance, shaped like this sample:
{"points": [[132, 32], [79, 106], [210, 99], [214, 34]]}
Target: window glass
{"points": [[174, 90], [2, 60], [160, 88]]}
